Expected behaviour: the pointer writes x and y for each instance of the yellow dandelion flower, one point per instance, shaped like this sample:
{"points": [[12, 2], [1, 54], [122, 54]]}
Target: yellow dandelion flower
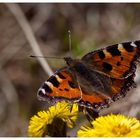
{"points": [[46, 122], [111, 126]]}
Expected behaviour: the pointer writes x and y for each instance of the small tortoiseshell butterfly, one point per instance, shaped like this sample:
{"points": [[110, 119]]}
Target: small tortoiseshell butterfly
{"points": [[96, 80]]}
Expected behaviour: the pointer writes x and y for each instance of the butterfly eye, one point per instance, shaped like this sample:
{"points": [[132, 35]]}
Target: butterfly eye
{"points": [[68, 60]]}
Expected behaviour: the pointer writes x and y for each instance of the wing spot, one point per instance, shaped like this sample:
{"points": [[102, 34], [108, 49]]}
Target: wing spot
{"points": [[137, 43], [114, 51], [118, 63], [46, 87], [133, 44], [60, 89], [128, 47], [107, 67], [61, 76], [41, 93], [71, 84], [122, 58], [101, 54], [54, 81], [66, 89]]}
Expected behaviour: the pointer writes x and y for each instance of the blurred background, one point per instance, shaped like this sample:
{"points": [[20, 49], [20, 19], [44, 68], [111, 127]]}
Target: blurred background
{"points": [[42, 29]]}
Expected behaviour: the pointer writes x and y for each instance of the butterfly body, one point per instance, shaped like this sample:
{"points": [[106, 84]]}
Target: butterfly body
{"points": [[89, 79], [96, 80]]}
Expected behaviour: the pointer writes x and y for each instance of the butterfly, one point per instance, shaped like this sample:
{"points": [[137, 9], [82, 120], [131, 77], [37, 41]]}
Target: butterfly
{"points": [[97, 79]]}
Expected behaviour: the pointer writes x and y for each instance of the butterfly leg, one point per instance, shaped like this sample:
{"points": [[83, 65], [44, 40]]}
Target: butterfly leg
{"points": [[90, 113]]}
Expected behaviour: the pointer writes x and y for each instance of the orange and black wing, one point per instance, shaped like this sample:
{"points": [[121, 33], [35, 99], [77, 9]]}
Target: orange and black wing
{"points": [[62, 85], [118, 61], [119, 87]]}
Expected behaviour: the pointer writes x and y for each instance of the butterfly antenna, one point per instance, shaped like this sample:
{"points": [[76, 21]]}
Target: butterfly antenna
{"points": [[70, 43], [52, 57]]}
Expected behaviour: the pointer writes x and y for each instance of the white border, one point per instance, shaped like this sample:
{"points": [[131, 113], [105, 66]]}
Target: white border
{"points": [[70, 1], [67, 1], [72, 138], [62, 138]]}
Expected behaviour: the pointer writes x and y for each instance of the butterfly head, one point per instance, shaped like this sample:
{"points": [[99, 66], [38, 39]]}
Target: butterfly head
{"points": [[69, 61]]}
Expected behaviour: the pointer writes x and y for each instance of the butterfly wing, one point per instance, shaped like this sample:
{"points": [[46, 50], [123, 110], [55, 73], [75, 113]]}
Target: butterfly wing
{"points": [[62, 85], [107, 89], [121, 86], [117, 61]]}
